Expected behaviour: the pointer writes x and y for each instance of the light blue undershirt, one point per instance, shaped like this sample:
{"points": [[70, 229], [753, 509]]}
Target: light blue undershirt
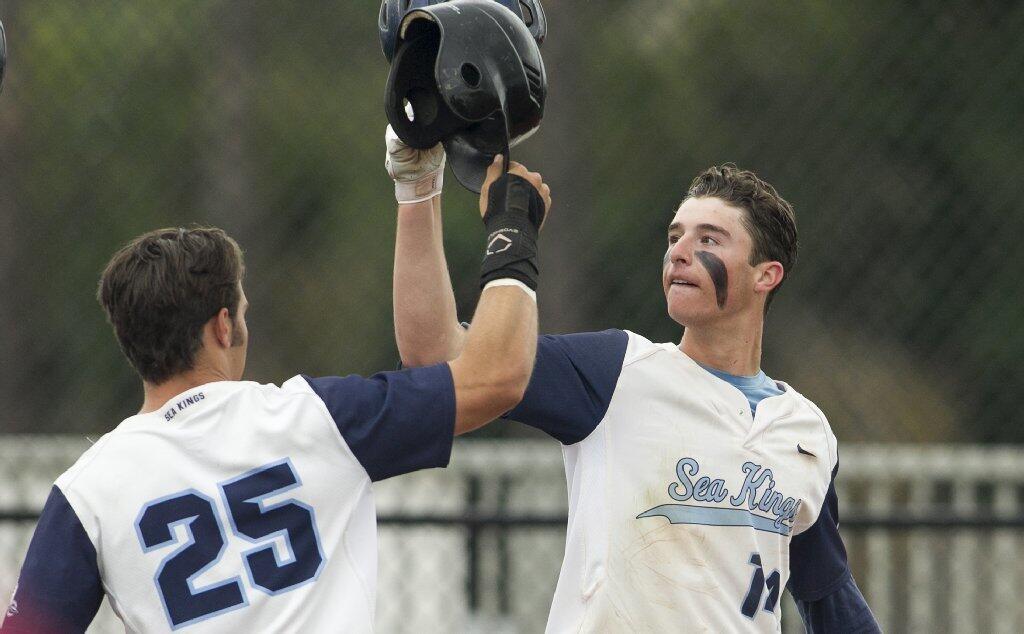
{"points": [[756, 388]]}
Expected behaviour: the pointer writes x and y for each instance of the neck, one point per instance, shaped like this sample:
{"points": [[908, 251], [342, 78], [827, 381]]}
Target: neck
{"points": [[730, 347], [157, 395]]}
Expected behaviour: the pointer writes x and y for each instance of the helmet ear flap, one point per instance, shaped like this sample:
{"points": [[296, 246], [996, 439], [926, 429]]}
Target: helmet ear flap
{"points": [[411, 84]]}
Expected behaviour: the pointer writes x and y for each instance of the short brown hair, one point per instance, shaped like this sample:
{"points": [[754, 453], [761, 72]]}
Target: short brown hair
{"points": [[770, 220], [161, 288]]}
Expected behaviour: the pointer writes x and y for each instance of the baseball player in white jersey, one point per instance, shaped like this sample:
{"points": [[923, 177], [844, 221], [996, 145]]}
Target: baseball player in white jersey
{"points": [[699, 488], [230, 506]]}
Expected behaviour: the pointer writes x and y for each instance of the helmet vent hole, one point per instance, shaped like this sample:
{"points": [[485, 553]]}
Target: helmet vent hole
{"points": [[527, 13], [471, 75]]}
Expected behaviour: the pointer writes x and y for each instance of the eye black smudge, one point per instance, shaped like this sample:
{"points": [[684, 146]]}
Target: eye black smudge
{"points": [[719, 276]]}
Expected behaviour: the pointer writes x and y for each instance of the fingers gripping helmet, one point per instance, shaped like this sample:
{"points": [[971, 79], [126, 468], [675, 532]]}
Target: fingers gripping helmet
{"points": [[392, 11], [473, 77]]}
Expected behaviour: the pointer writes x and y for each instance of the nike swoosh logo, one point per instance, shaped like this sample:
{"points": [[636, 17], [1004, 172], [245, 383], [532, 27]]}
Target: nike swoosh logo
{"points": [[804, 451]]}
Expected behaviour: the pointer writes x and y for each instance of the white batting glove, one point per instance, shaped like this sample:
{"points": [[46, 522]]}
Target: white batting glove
{"points": [[418, 174]]}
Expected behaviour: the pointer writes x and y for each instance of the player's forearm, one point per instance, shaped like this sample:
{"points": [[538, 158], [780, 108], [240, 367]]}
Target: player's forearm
{"points": [[427, 329], [494, 368], [492, 372]]}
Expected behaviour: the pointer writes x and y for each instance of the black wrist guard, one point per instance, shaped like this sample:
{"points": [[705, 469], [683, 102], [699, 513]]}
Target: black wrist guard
{"points": [[515, 211]]}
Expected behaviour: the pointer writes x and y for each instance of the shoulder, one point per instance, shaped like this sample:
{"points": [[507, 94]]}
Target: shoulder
{"points": [[594, 357], [640, 348], [609, 344], [392, 422], [76, 487], [87, 462], [302, 396], [120, 449], [434, 381], [824, 428], [304, 388], [610, 347]]}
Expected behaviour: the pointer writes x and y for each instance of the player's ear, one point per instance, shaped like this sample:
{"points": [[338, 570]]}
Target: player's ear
{"points": [[223, 327], [769, 275]]}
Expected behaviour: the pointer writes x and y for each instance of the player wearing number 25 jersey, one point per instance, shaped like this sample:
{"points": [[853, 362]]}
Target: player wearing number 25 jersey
{"points": [[698, 487], [235, 506], [229, 506]]}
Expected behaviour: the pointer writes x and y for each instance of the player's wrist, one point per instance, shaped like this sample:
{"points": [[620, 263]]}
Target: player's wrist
{"points": [[515, 212], [507, 281]]}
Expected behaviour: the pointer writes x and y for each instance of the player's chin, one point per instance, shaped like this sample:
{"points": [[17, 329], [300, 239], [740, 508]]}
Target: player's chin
{"points": [[686, 311]]}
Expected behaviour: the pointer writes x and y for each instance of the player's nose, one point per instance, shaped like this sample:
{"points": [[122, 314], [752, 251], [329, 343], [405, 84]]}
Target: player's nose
{"points": [[680, 251]]}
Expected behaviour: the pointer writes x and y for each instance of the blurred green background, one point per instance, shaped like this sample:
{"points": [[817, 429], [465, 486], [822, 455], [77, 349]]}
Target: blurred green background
{"points": [[895, 129]]}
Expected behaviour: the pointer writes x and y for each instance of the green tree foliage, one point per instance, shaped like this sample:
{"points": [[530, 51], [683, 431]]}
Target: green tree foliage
{"points": [[892, 128]]}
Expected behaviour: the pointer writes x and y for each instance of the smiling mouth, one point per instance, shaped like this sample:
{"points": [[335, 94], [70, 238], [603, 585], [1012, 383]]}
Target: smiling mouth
{"points": [[682, 283]]}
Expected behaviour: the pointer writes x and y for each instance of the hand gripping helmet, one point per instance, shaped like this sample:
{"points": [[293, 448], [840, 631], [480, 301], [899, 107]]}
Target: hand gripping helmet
{"points": [[392, 11], [3, 54], [473, 78]]}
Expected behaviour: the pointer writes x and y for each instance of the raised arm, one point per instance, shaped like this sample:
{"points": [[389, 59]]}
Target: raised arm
{"points": [[513, 207], [427, 329], [493, 369]]}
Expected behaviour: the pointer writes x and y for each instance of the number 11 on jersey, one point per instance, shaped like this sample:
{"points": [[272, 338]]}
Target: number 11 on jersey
{"points": [[758, 585]]}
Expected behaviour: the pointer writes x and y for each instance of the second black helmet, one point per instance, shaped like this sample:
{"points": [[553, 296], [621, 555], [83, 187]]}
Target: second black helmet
{"points": [[531, 12]]}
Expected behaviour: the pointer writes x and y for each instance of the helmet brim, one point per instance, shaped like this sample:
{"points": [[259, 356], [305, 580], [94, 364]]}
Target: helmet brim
{"points": [[471, 153]]}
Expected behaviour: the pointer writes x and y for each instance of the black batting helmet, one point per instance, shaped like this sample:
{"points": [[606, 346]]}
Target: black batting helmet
{"points": [[473, 76], [531, 12]]}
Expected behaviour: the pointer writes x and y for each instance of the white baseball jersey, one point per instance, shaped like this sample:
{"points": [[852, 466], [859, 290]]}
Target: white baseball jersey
{"points": [[236, 507], [687, 513]]}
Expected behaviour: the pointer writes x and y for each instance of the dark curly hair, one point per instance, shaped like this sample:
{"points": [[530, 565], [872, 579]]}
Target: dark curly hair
{"points": [[162, 287], [769, 219]]}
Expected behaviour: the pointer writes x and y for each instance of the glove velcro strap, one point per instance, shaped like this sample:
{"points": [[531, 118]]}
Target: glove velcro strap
{"points": [[420, 190]]}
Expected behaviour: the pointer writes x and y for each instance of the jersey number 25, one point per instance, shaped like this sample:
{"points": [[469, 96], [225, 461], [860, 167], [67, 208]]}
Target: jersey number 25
{"points": [[251, 520]]}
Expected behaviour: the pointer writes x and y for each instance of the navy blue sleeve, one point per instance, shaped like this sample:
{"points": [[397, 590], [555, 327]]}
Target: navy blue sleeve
{"points": [[820, 580], [394, 422], [573, 380], [59, 589], [817, 556], [843, 612]]}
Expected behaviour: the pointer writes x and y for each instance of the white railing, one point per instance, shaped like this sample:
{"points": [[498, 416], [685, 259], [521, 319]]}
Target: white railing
{"points": [[444, 577]]}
